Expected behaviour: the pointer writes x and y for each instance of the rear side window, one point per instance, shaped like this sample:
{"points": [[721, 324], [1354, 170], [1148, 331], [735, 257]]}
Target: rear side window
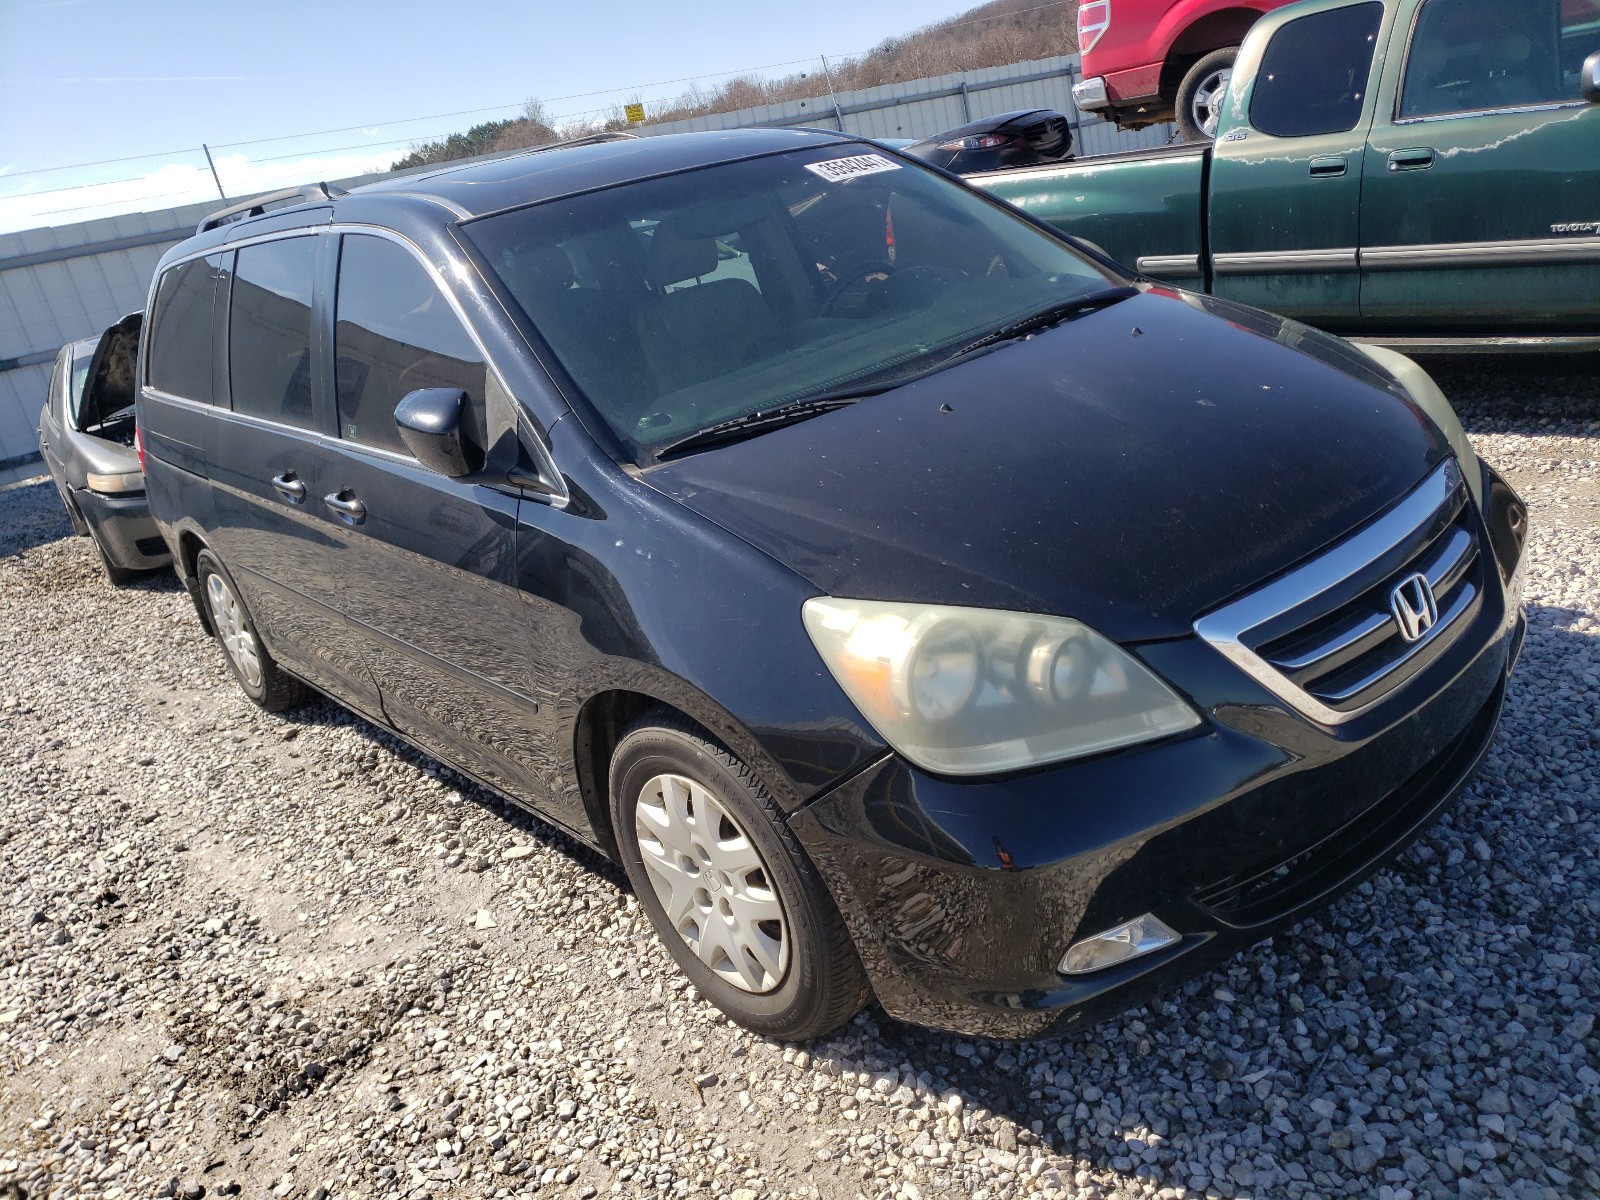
{"points": [[269, 330], [180, 350], [1313, 77], [1470, 55], [396, 333]]}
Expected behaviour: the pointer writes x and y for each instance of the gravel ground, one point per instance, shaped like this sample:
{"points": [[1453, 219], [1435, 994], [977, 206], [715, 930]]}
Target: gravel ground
{"points": [[245, 954]]}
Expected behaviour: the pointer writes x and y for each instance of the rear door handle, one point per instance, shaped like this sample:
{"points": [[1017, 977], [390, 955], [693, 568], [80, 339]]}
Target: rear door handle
{"points": [[290, 487], [1419, 159], [1328, 168], [346, 507]]}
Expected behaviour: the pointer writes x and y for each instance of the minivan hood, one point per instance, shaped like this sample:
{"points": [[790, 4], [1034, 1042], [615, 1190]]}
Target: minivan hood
{"points": [[1133, 469]]}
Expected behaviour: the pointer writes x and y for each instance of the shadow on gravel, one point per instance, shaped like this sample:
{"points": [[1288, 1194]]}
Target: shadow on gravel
{"points": [[325, 713], [37, 517], [1503, 393]]}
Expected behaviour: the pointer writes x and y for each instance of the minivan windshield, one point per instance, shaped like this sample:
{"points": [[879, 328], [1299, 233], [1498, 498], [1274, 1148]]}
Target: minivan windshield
{"points": [[691, 301]]}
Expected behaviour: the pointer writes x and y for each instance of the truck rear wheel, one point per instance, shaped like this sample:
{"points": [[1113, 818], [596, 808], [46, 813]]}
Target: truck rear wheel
{"points": [[1199, 104]]}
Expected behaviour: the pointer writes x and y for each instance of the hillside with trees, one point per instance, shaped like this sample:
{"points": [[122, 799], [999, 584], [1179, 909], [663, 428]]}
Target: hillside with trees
{"points": [[991, 35]]}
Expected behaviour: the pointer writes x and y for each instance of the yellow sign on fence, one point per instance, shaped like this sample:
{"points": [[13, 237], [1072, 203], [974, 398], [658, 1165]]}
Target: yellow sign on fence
{"points": [[634, 113]]}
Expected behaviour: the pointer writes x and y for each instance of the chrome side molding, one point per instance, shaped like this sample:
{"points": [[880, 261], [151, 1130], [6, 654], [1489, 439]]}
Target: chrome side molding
{"points": [[1286, 262], [1169, 266], [1528, 252]]}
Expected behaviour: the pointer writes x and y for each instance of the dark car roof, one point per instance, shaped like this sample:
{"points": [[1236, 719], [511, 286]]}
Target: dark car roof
{"points": [[483, 187], [986, 125]]}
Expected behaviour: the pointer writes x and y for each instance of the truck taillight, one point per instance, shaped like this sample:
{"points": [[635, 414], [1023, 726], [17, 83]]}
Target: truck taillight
{"points": [[138, 446], [1094, 18]]}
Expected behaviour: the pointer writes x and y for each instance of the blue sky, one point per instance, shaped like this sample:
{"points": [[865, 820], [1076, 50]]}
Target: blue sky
{"points": [[88, 80]]}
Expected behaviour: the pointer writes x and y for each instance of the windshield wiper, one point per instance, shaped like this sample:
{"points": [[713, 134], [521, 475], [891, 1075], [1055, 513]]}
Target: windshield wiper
{"points": [[748, 425], [1054, 314], [751, 424]]}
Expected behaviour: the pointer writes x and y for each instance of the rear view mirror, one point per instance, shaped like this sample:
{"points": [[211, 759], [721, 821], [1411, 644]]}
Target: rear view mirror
{"points": [[1591, 78], [430, 425]]}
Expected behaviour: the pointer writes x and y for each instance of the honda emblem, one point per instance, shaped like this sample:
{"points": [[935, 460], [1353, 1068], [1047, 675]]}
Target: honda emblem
{"points": [[1414, 607]]}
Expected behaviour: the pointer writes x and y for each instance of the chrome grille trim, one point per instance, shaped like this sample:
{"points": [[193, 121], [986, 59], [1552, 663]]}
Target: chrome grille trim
{"points": [[1352, 640], [1425, 514], [1447, 619]]}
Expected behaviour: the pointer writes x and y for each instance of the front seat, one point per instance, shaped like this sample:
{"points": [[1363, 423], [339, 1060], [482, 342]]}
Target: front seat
{"points": [[588, 328], [702, 330]]}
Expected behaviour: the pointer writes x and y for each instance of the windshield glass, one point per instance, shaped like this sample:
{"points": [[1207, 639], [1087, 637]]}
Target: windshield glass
{"points": [[682, 302]]}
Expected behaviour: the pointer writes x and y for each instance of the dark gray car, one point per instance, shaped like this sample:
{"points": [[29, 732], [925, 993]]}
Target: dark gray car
{"points": [[87, 438]]}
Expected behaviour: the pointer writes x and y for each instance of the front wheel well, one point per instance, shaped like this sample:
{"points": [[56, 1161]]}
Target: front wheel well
{"points": [[1215, 31], [601, 724]]}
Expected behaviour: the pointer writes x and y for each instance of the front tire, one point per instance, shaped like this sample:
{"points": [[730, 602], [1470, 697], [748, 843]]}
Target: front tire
{"points": [[1198, 108], [730, 892], [261, 678]]}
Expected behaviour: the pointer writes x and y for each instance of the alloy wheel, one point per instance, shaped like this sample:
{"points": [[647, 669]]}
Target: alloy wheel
{"points": [[712, 883], [1207, 105], [233, 631]]}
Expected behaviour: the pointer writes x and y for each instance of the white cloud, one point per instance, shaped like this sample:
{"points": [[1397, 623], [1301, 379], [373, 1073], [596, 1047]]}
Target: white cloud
{"points": [[177, 184]]}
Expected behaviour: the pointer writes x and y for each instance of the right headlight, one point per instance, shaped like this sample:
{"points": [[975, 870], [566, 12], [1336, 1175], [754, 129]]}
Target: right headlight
{"points": [[972, 691]]}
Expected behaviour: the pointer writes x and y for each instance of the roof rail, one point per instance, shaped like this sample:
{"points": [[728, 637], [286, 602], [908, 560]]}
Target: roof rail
{"points": [[254, 208]]}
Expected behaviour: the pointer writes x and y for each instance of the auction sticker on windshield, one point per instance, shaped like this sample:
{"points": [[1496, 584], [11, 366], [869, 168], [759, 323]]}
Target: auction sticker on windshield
{"points": [[837, 170]]}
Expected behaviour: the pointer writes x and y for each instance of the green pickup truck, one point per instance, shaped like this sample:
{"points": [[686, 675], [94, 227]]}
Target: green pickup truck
{"points": [[1419, 173]]}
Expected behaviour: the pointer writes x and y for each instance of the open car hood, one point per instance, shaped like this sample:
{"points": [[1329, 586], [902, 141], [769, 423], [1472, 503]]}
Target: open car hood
{"points": [[109, 388]]}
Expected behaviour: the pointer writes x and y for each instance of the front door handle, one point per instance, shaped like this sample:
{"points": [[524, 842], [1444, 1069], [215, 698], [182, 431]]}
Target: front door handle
{"points": [[1328, 168], [290, 487], [346, 507], [1419, 159]]}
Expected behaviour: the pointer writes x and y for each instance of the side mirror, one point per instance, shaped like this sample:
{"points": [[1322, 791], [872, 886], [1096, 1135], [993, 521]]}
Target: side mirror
{"points": [[430, 425], [1591, 78]]}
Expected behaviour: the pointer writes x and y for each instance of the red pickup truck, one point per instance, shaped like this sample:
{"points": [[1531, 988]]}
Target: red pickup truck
{"points": [[1147, 61]]}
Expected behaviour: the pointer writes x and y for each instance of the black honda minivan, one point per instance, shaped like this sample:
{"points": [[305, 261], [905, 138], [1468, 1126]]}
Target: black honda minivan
{"points": [[917, 606]]}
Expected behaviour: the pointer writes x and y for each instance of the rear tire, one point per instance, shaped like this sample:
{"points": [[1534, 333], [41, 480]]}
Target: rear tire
{"points": [[1199, 104], [261, 678], [756, 930]]}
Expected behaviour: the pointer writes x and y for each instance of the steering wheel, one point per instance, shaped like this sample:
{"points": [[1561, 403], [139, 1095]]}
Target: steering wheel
{"points": [[866, 287]]}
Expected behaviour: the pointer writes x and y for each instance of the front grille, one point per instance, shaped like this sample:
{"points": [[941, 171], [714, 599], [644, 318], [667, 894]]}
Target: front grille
{"points": [[1326, 638], [1356, 654], [1046, 132]]}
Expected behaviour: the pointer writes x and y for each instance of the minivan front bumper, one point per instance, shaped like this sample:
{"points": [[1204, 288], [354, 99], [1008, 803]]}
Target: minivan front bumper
{"points": [[962, 896]]}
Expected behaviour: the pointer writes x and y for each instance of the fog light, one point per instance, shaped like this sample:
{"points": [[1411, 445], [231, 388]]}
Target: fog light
{"points": [[1140, 936]]}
